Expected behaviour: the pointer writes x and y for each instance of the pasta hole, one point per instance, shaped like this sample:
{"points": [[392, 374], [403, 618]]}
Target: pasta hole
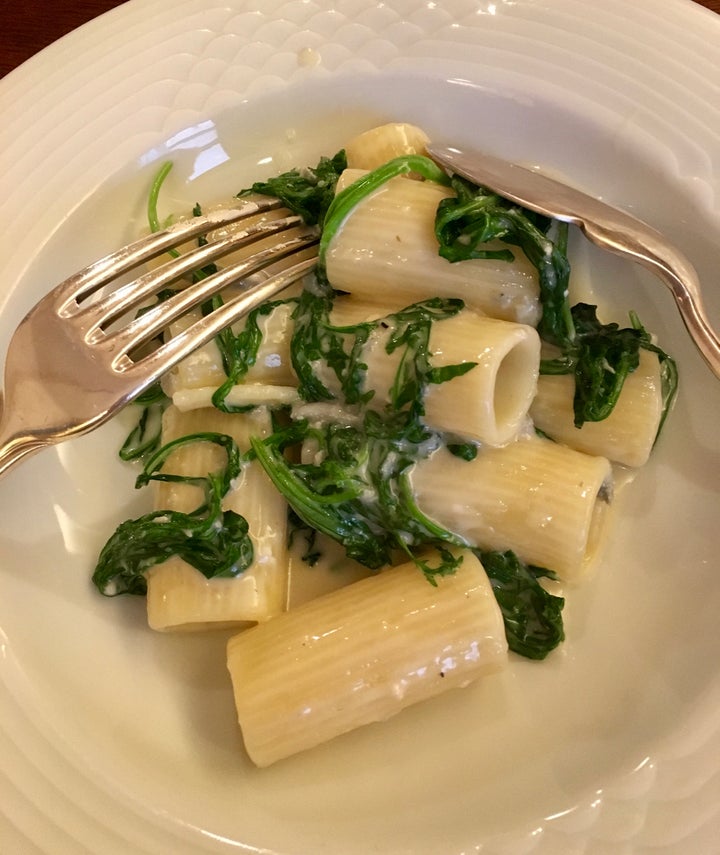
{"points": [[515, 385]]}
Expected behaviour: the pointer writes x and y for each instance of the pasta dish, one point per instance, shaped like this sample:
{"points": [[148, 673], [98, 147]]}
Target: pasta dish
{"points": [[386, 481]]}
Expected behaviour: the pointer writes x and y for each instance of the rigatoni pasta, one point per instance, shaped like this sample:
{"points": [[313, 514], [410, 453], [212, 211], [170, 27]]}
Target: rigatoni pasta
{"points": [[396, 406], [240, 396], [204, 367], [372, 148], [179, 597], [386, 253], [362, 654], [626, 436], [490, 403], [544, 501]]}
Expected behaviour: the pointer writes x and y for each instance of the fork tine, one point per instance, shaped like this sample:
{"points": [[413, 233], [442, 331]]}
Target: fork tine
{"points": [[147, 326], [107, 269], [132, 295], [152, 366]]}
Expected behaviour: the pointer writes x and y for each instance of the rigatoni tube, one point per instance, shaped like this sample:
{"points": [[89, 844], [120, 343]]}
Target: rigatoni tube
{"points": [[544, 501], [386, 250], [627, 435], [361, 654], [179, 597], [378, 145], [490, 402], [204, 367]]}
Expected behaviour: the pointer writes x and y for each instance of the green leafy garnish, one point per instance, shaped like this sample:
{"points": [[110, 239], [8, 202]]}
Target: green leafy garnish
{"points": [[153, 197], [600, 356], [239, 353], [144, 438], [214, 541], [474, 216], [311, 554], [358, 494], [532, 616], [357, 490], [318, 343], [308, 192]]}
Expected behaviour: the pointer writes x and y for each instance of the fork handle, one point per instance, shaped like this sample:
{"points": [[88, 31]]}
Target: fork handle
{"points": [[15, 447], [693, 314], [13, 452], [649, 249]]}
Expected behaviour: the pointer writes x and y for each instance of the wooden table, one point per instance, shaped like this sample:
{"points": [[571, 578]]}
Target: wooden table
{"points": [[34, 24]]}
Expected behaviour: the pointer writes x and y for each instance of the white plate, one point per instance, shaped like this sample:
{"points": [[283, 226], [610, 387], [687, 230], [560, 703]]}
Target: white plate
{"points": [[115, 740]]}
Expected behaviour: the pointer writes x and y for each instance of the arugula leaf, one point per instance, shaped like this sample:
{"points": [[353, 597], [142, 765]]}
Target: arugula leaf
{"points": [[311, 554], [668, 372], [601, 356], [532, 616], [463, 450], [308, 192], [214, 541], [332, 513], [359, 496], [358, 490], [144, 438], [318, 342], [152, 204], [474, 216], [239, 353]]}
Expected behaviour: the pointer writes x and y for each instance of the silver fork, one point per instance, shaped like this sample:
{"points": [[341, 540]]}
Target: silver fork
{"points": [[74, 361], [604, 225]]}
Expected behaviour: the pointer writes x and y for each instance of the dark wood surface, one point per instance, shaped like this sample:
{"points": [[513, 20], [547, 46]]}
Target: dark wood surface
{"points": [[30, 25]]}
